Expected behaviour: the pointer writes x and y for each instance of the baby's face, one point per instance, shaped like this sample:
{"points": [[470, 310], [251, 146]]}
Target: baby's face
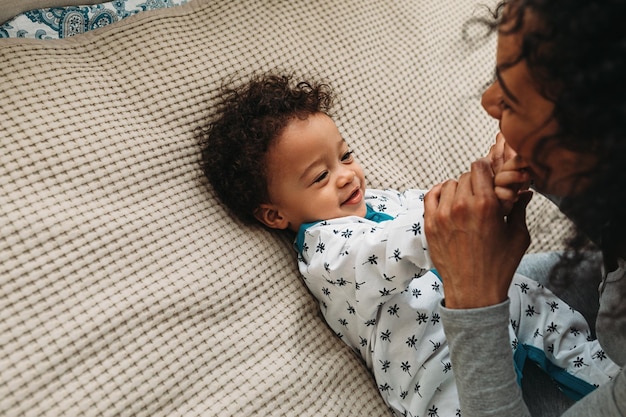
{"points": [[312, 176]]}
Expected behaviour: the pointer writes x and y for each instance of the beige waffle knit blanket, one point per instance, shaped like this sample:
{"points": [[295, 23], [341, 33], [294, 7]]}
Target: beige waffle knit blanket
{"points": [[125, 287]]}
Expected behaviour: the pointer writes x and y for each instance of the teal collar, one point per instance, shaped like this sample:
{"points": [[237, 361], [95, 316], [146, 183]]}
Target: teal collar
{"points": [[375, 216]]}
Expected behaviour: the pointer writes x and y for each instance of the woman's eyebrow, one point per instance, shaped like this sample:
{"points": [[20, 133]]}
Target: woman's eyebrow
{"points": [[504, 88]]}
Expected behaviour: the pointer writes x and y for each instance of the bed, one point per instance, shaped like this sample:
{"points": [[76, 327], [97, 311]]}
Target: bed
{"points": [[126, 289]]}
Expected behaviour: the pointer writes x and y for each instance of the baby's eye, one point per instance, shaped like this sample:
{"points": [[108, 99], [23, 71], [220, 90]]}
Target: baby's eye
{"points": [[321, 177], [347, 157]]}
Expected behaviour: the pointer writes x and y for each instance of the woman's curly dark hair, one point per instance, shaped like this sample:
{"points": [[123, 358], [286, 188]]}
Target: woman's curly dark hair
{"points": [[576, 52], [248, 118]]}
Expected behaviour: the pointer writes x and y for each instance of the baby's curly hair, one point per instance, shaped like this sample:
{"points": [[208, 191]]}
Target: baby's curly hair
{"points": [[249, 117]]}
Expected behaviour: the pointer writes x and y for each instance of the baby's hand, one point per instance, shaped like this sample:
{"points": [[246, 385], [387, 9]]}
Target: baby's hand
{"points": [[510, 181], [499, 153], [510, 175]]}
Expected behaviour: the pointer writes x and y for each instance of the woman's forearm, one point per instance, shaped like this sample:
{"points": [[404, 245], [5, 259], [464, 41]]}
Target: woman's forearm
{"points": [[482, 361]]}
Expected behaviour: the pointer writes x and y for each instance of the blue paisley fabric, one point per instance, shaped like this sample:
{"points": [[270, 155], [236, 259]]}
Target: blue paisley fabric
{"points": [[63, 22]]}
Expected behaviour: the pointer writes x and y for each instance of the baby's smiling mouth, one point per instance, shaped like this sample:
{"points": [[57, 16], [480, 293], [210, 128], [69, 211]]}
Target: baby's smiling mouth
{"points": [[355, 197]]}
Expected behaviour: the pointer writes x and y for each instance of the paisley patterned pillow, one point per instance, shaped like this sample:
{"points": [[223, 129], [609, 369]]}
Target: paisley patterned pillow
{"points": [[63, 22]]}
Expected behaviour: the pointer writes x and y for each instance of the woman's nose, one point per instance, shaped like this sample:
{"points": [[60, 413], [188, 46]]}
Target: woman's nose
{"points": [[491, 101]]}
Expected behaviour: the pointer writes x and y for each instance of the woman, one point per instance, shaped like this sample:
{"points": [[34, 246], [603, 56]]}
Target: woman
{"points": [[561, 101]]}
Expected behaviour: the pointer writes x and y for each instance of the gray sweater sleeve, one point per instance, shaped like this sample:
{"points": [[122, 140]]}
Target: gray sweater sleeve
{"points": [[482, 361]]}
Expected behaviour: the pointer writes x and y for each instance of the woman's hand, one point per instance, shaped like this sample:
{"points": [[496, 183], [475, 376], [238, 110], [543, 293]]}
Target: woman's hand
{"points": [[474, 246]]}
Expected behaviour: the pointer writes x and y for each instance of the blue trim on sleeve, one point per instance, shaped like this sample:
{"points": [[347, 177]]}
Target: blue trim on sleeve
{"points": [[371, 214], [434, 271], [519, 359], [573, 387]]}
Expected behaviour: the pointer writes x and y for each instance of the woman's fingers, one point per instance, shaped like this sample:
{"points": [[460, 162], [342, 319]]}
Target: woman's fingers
{"points": [[475, 248]]}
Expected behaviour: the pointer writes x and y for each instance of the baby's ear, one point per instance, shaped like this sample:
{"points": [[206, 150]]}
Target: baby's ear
{"points": [[270, 216]]}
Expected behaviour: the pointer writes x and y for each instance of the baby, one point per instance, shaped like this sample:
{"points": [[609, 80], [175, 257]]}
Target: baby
{"points": [[274, 156]]}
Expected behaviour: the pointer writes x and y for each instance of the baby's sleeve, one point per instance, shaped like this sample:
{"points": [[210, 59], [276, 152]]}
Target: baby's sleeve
{"points": [[361, 264]]}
